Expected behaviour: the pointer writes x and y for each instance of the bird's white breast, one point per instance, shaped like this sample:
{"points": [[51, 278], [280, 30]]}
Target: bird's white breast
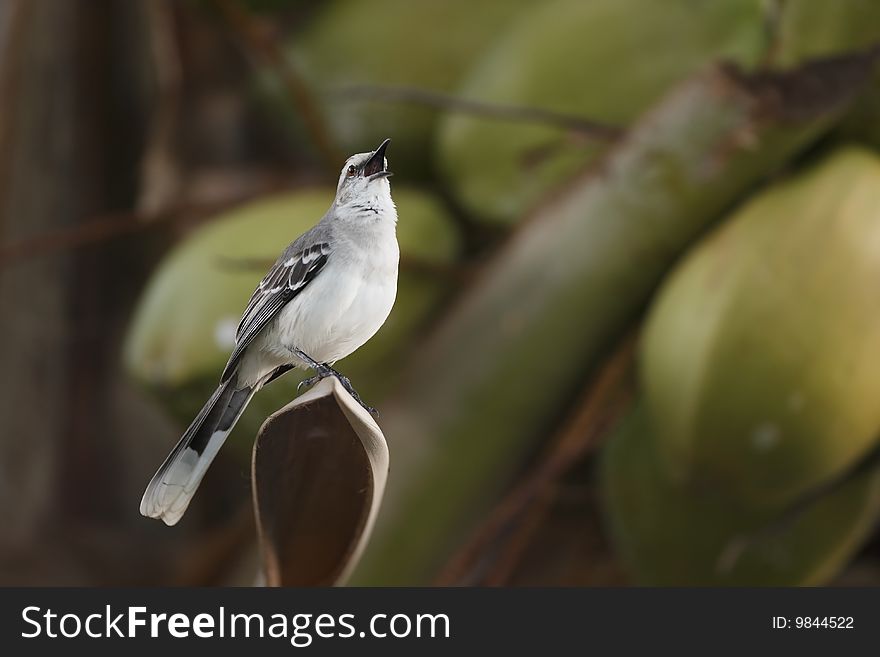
{"points": [[344, 306]]}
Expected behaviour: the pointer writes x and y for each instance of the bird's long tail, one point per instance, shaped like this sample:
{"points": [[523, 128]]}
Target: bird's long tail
{"points": [[170, 490]]}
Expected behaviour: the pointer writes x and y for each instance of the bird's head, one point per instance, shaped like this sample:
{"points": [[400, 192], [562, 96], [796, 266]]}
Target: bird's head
{"points": [[363, 182]]}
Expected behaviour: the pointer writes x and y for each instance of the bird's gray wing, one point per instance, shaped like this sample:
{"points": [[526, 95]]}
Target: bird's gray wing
{"points": [[288, 277]]}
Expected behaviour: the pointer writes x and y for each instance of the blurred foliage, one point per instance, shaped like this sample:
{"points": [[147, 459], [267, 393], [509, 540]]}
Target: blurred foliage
{"points": [[604, 59], [420, 43], [469, 405], [759, 379], [593, 59], [554, 162], [571, 282]]}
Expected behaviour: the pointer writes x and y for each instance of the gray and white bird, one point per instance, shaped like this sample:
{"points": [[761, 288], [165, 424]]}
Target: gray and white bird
{"points": [[325, 296]]}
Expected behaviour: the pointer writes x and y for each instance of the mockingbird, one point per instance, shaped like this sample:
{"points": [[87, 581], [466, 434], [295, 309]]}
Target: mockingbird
{"points": [[328, 293]]}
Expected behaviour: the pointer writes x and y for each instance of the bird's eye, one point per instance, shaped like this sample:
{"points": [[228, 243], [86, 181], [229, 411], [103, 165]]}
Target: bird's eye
{"points": [[351, 171]]}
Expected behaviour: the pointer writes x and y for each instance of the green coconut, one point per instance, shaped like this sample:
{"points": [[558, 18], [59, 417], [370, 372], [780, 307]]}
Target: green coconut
{"points": [[184, 324], [606, 60], [673, 534], [759, 356], [818, 28], [402, 43], [505, 363]]}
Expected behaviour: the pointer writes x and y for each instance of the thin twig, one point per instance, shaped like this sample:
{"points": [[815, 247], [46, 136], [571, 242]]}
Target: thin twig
{"points": [[261, 47], [604, 400], [108, 226], [532, 519], [428, 98]]}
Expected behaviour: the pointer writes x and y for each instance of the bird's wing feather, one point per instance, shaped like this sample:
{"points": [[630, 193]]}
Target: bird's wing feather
{"points": [[288, 277]]}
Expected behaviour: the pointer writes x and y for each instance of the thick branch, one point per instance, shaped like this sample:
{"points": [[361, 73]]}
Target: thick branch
{"points": [[112, 225]]}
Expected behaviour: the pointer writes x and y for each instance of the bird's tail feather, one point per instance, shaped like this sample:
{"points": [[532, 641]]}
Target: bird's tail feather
{"points": [[170, 490]]}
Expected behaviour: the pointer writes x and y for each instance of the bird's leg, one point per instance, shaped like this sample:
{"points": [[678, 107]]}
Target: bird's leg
{"points": [[322, 371], [344, 380], [315, 365]]}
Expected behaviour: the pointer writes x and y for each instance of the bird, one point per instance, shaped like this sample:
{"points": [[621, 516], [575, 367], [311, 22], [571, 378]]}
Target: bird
{"points": [[326, 295]]}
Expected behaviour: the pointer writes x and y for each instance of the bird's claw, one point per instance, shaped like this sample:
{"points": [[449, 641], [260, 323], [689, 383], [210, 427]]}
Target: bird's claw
{"points": [[307, 383], [369, 409], [323, 372]]}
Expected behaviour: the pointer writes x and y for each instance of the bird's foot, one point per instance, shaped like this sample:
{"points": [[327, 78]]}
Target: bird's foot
{"points": [[322, 372]]}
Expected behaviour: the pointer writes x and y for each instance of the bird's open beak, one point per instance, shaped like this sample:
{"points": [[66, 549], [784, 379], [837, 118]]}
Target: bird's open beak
{"points": [[375, 166]]}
